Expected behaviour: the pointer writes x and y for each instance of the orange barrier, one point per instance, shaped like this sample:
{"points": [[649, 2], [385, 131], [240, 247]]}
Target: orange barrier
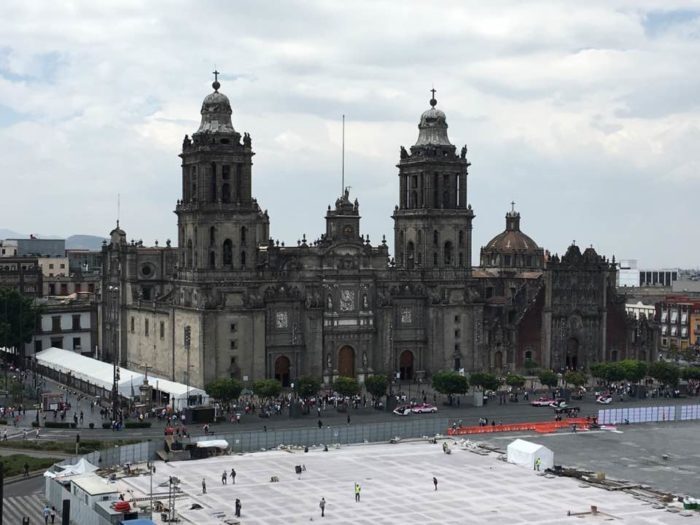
{"points": [[543, 427]]}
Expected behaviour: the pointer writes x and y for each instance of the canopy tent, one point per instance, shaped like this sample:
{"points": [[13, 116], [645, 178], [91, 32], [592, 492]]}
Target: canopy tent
{"points": [[521, 452], [64, 471], [101, 374], [91, 370]]}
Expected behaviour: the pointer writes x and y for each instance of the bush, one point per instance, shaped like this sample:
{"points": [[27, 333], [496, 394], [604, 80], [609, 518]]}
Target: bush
{"points": [[59, 424], [137, 424]]}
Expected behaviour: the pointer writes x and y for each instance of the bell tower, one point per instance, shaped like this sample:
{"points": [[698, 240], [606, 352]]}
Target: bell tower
{"points": [[433, 222], [220, 225]]}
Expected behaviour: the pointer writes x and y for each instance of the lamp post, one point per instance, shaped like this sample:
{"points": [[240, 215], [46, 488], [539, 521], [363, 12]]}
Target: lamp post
{"points": [[188, 341], [116, 351]]}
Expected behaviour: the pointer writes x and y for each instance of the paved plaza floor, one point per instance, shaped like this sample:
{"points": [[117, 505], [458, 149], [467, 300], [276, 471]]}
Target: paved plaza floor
{"points": [[397, 488]]}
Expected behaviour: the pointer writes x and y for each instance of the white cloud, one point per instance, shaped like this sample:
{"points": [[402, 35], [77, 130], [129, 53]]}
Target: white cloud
{"points": [[585, 114]]}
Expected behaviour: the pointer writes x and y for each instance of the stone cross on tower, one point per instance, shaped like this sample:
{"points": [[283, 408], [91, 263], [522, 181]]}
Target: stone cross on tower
{"points": [[512, 206]]}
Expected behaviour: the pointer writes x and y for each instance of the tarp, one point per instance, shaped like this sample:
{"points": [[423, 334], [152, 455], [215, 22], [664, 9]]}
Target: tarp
{"points": [[218, 443], [101, 374], [521, 452], [81, 467]]}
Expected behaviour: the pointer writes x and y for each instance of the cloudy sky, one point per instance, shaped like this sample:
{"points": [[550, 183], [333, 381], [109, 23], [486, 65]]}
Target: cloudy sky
{"points": [[586, 114]]}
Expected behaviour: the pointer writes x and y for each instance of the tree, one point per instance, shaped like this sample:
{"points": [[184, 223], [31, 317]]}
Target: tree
{"points": [[634, 370], [614, 372], [575, 378], [225, 390], [599, 370], [307, 386], [691, 373], [484, 380], [18, 319], [665, 373], [450, 383], [346, 386], [377, 385], [531, 366], [515, 380], [265, 388], [548, 378]]}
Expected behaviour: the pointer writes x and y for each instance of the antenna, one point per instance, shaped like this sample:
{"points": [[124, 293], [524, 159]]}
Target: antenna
{"points": [[342, 171], [118, 208]]}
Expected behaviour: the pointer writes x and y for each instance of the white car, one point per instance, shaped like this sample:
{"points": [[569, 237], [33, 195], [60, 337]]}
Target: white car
{"points": [[403, 410], [424, 408], [604, 400]]}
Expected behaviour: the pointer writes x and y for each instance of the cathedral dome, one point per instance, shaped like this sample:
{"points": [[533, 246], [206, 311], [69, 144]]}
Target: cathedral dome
{"points": [[216, 113], [512, 248], [433, 127]]}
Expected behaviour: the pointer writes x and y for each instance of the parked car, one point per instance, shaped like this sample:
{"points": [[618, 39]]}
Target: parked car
{"points": [[542, 401], [424, 408], [604, 399], [558, 403], [403, 410]]}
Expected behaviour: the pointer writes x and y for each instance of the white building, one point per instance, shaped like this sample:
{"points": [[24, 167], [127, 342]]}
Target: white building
{"points": [[628, 274], [640, 309], [8, 248], [54, 266], [70, 324]]}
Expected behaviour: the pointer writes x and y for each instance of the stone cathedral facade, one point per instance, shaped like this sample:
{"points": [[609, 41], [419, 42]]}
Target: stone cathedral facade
{"points": [[228, 301]]}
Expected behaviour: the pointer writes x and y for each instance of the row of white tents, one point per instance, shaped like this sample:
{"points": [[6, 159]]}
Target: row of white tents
{"points": [[100, 374]]}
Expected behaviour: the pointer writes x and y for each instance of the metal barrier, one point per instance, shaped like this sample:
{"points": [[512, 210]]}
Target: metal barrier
{"points": [[542, 427], [655, 414]]}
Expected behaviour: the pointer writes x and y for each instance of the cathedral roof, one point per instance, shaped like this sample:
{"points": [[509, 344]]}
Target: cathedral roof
{"points": [[216, 112], [433, 127], [512, 240]]}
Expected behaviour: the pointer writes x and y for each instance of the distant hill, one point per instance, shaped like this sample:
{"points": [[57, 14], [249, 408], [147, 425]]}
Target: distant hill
{"points": [[74, 242], [84, 242]]}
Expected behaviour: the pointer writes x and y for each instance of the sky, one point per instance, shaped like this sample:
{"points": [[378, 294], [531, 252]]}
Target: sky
{"points": [[586, 114]]}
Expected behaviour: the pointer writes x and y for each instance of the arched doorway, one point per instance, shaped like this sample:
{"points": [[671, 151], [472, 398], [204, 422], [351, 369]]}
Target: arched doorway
{"points": [[406, 365], [282, 370], [572, 353], [346, 361], [498, 360]]}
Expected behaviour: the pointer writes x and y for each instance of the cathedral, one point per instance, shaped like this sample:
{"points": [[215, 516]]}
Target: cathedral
{"points": [[229, 301]]}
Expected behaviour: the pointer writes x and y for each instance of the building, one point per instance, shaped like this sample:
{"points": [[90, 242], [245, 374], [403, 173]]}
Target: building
{"points": [[8, 248], [628, 273], [54, 266], [231, 301], [673, 315], [69, 323], [22, 274], [34, 247], [658, 277], [639, 310]]}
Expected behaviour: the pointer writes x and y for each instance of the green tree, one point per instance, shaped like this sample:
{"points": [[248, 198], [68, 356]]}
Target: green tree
{"points": [[450, 383], [665, 373], [575, 378], [531, 366], [634, 370], [515, 380], [18, 319], [548, 378], [265, 388], [691, 373], [225, 390], [484, 380], [377, 385], [599, 370], [307, 386], [346, 386], [614, 372]]}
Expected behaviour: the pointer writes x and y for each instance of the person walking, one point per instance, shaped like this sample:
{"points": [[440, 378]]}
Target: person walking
{"points": [[26, 469], [348, 419], [223, 478], [233, 476], [320, 425], [322, 504], [238, 508], [204, 486], [538, 462], [53, 514], [357, 492], [47, 513], [435, 482]]}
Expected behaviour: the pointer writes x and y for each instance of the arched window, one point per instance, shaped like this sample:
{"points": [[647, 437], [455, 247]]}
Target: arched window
{"points": [[419, 238], [228, 253], [243, 259], [461, 259], [212, 182], [436, 238], [226, 193], [190, 253], [447, 253], [212, 235], [435, 259], [414, 199], [212, 259], [460, 238], [244, 230], [410, 255]]}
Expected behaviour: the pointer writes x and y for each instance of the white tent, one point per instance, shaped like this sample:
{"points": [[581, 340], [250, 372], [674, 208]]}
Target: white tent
{"points": [[65, 471], [525, 453], [177, 391]]}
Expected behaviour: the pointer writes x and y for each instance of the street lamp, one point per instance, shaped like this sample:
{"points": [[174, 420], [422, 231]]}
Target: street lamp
{"points": [[188, 342], [116, 351]]}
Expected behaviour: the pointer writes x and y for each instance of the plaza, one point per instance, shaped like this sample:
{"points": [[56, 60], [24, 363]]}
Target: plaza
{"points": [[397, 487]]}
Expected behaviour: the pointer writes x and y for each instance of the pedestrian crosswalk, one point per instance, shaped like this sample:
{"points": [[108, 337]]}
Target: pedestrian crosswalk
{"points": [[15, 508]]}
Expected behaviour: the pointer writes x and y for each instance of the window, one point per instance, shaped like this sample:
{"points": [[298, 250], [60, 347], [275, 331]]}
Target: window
{"points": [[132, 325], [57, 342], [63, 266], [76, 322], [91, 288], [458, 334], [56, 323], [461, 259], [456, 319], [52, 289], [38, 346], [460, 239], [244, 230], [506, 260], [233, 327], [225, 172], [64, 289], [234, 344], [76, 343], [435, 259], [243, 259], [162, 329], [145, 327], [51, 266], [78, 287], [436, 237], [528, 354], [146, 293], [448, 253], [228, 252]]}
